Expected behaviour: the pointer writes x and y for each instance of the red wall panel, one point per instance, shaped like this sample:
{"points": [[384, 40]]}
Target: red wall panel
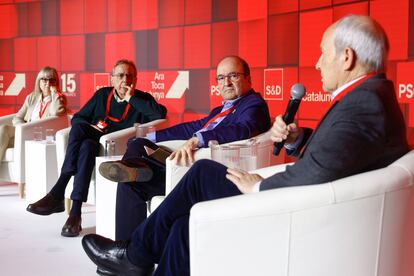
{"points": [[118, 46], [144, 14], [313, 4], [86, 85], [72, 46], [252, 9], [6, 59], [312, 26], [224, 10], [225, 38], [96, 16], [9, 23], [411, 121], [48, 51], [170, 48], [283, 39], [257, 79], [393, 16], [30, 19], [50, 17], [197, 46], [252, 42], [197, 11], [119, 15], [171, 12], [95, 49], [276, 7], [25, 54], [71, 16], [357, 8]]}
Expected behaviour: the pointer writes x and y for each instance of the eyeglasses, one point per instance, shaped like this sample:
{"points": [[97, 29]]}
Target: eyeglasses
{"points": [[120, 76], [50, 80], [233, 77]]}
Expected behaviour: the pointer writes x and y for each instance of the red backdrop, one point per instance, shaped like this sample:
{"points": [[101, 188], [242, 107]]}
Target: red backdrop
{"points": [[176, 45]]}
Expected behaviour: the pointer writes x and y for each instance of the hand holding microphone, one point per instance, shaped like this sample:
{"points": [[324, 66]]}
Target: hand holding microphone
{"points": [[282, 128]]}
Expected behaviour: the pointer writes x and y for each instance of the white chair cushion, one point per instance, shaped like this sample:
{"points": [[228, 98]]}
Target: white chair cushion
{"points": [[8, 155]]}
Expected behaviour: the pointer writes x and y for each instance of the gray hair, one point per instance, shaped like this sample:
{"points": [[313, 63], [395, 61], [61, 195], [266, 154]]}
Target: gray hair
{"points": [[366, 38], [49, 72], [127, 62]]}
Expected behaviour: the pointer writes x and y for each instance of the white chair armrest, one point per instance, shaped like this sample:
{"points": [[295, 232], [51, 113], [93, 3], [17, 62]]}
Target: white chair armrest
{"points": [[159, 123], [7, 119], [62, 137], [121, 137], [175, 172]]}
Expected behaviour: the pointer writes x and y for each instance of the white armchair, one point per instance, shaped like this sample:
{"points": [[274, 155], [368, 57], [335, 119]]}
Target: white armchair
{"points": [[12, 167], [106, 198], [360, 225], [174, 173], [120, 137]]}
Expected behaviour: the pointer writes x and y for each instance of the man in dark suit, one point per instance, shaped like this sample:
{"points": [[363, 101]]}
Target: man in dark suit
{"points": [[362, 130], [110, 109], [243, 114]]}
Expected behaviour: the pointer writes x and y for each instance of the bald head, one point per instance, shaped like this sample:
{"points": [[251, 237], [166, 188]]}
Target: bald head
{"points": [[233, 77]]}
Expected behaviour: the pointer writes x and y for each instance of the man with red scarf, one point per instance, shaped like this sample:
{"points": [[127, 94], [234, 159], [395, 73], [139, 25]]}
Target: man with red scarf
{"points": [[110, 109]]}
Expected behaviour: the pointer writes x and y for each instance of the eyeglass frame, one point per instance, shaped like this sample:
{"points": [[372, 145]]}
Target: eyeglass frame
{"points": [[50, 80], [232, 76], [121, 76]]}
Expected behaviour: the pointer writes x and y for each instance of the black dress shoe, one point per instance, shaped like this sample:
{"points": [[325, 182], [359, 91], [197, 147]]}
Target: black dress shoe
{"points": [[46, 206], [123, 171], [104, 272], [72, 226], [111, 257]]}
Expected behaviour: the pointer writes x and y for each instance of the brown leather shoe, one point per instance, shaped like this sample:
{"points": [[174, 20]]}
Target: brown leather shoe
{"points": [[46, 206], [123, 171], [72, 226]]}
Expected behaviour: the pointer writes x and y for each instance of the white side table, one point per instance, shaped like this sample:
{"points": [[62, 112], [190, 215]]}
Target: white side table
{"points": [[41, 169], [105, 200]]}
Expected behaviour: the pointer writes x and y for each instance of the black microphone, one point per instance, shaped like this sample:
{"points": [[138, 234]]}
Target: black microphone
{"points": [[297, 92]]}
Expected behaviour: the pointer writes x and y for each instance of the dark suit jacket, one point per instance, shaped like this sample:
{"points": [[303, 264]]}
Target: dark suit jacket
{"points": [[364, 131], [250, 117]]}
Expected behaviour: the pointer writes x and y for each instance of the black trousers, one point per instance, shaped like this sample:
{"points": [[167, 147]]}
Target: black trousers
{"points": [[131, 198], [163, 238], [83, 147]]}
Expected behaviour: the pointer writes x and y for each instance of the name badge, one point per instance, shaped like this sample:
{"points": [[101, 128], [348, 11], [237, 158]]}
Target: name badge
{"points": [[101, 125]]}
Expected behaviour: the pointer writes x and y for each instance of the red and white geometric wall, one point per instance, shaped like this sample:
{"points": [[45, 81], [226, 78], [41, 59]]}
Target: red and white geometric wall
{"points": [[177, 44]]}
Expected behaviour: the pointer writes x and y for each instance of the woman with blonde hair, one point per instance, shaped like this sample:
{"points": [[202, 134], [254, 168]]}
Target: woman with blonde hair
{"points": [[46, 100]]}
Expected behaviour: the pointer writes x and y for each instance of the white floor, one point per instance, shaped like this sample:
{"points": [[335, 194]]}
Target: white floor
{"points": [[31, 245]]}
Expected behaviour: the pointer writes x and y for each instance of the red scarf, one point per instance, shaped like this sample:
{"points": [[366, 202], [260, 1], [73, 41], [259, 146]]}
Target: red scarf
{"points": [[108, 107]]}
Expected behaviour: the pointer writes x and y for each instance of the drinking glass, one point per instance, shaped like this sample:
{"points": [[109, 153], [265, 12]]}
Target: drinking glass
{"points": [[141, 131]]}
